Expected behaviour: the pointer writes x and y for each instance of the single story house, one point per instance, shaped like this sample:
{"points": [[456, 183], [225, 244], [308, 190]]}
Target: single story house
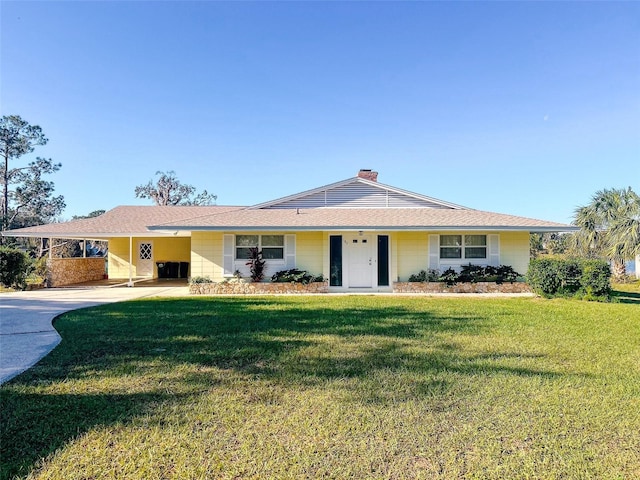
{"points": [[358, 233]]}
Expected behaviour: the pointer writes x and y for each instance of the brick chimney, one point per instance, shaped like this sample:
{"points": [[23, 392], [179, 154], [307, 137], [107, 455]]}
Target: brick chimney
{"points": [[368, 175]]}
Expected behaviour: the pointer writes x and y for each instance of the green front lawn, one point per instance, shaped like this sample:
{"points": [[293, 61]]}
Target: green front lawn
{"points": [[332, 387]]}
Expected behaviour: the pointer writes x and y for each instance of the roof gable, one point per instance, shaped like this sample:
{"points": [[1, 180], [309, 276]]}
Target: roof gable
{"points": [[356, 193]]}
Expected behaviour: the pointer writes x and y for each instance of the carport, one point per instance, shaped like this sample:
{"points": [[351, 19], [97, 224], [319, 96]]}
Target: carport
{"points": [[134, 251]]}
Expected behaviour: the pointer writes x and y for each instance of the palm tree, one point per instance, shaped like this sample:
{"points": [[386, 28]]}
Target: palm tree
{"points": [[610, 227]]}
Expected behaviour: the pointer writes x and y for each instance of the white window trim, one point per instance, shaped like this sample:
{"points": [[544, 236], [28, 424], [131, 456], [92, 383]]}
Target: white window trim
{"points": [[462, 248], [261, 247], [231, 264]]}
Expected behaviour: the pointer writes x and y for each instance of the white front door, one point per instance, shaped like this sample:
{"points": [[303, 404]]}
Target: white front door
{"points": [[144, 267], [360, 261]]}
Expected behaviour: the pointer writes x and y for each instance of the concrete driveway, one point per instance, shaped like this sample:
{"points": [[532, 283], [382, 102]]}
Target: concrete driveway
{"points": [[26, 330]]}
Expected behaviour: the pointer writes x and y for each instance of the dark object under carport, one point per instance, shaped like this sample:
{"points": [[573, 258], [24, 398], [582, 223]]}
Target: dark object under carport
{"points": [[173, 269], [184, 269], [163, 272]]}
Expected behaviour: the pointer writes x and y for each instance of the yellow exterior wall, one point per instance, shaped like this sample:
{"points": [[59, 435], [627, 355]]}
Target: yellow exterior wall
{"points": [[514, 247], [412, 253], [118, 258], [177, 249], [514, 250], [206, 255], [409, 253], [310, 252]]}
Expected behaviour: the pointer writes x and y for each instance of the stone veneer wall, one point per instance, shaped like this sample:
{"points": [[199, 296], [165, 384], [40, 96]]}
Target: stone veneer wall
{"points": [[242, 288], [68, 271], [479, 287], [247, 288]]}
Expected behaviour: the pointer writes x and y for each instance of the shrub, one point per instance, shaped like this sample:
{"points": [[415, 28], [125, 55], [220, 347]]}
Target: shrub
{"points": [[505, 273], [449, 276], [256, 264], [570, 271], [15, 266], [40, 267], [570, 277], [468, 273], [38, 272], [198, 280], [543, 276], [423, 276], [596, 278], [471, 273], [295, 276]]}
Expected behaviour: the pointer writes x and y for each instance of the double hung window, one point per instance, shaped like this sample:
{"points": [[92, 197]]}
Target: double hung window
{"points": [[463, 246], [475, 246], [272, 246], [450, 246]]}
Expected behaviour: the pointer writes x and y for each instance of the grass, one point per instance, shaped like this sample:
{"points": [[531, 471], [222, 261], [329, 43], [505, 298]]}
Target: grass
{"points": [[332, 387], [627, 292]]}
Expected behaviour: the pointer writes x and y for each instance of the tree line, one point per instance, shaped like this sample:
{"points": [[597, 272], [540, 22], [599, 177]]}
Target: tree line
{"points": [[609, 228]]}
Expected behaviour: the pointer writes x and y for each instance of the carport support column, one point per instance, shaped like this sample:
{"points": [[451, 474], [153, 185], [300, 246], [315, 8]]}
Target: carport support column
{"points": [[130, 284]]}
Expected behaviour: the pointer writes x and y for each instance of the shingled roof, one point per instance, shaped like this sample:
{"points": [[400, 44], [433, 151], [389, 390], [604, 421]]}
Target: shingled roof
{"points": [[354, 204], [123, 221], [360, 219]]}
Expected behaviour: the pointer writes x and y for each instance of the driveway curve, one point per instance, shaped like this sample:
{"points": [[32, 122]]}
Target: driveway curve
{"points": [[26, 329]]}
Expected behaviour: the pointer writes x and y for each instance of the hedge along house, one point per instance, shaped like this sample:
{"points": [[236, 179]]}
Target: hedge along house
{"points": [[359, 234]]}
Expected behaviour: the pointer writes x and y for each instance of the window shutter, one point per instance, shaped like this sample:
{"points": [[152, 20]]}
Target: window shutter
{"points": [[289, 252], [494, 250], [434, 252], [227, 254]]}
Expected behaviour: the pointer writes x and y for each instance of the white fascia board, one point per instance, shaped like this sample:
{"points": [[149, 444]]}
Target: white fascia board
{"points": [[69, 236], [425, 228], [364, 181], [304, 194], [417, 195], [163, 233], [94, 236], [568, 228]]}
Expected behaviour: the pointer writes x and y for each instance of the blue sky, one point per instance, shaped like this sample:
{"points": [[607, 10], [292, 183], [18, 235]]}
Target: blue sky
{"points": [[521, 108]]}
